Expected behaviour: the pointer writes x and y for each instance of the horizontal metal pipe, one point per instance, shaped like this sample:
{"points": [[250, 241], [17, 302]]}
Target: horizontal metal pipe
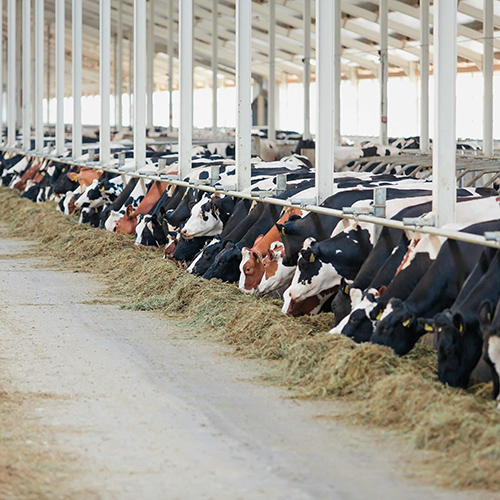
{"points": [[446, 233]]}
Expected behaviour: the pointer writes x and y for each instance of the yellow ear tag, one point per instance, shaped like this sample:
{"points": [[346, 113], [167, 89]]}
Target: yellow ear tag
{"points": [[379, 315], [461, 329], [346, 289], [103, 189], [63, 170], [489, 316], [312, 258], [406, 323], [283, 230], [428, 328]]}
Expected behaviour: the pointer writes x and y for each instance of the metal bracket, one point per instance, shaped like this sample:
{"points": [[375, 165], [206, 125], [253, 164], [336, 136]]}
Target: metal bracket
{"points": [[492, 236], [214, 174], [419, 222], [281, 180], [357, 210]]}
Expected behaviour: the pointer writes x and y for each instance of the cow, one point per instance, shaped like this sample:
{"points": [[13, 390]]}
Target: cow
{"points": [[457, 331], [489, 321], [205, 257], [398, 326]]}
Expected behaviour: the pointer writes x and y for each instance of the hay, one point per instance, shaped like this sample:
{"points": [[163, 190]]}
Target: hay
{"points": [[461, 428]]}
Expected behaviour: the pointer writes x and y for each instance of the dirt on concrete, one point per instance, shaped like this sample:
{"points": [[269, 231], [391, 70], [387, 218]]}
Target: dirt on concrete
{"points": [[99, 402]]}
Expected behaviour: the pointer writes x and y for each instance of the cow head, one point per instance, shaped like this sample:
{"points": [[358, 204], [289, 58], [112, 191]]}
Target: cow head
{"points": [[490, 328], [398, 328], [251, 268], [204, 220], [360, 322], [186, 250], [459, 348], [226, 266], [205, 257], [128, 222], [149, 231], [276, 275]]}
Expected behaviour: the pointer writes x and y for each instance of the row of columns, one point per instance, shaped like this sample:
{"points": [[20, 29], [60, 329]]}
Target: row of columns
{"points": [[328, 42]]}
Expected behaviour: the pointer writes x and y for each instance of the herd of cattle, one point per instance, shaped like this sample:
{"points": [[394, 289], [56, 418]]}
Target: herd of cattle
{"points": [[395, 289]]}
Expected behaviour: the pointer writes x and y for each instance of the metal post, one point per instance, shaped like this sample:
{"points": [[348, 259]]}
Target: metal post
{"points": [[1, 77], [139, 83], [77, 78], [379, 209], [424, 76], [130, 80], [215, 64], [60, 59], [444, 148], [307, 69], [170, 64], [11, 73], [150, 63], [105, 77], [48, 71], [39, 25], [243, 91], [19, 65], [119, 68], [337, 73], [186, 86], [26, 75], [384, 68], [271, 108], [325, 129], [488, 33]]}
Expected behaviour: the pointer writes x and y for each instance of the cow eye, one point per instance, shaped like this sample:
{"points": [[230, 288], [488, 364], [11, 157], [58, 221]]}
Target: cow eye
{"points": [[247, 269]]}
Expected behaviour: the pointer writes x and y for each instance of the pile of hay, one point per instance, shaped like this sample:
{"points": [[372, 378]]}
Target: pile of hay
{"points": [[462, 428]]}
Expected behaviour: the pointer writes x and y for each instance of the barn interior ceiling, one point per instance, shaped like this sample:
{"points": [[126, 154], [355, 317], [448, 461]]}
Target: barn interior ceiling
{"points": [[359, 39]]}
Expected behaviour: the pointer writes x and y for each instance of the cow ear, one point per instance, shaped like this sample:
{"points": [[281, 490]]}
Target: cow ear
{"points": [[458, 322], [344, 287], [129, 210], [258, 239], [485, 313], [382, 289], [281, 229], [425, 326], [72, 176], [163, 213]]}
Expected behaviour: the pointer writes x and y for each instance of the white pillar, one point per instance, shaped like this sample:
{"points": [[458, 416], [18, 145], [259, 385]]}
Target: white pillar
{"points": [[48, 70], [444, 147], [150, 63], [488, 33], [215, 64], [337, 138], [170, 64], [130, 80], [384, 69], [27, 75], [271, 108], [424, 76], [139, 83], [105, 78], [119, 68], [244, 92], [11, 73], [39, 26], [307, 70], [77, 78], [186, 86], [1, 77], [60, 60], [325, 129]]}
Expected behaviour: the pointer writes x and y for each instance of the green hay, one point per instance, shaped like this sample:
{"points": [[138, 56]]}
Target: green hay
{"points": [[461, 428]]}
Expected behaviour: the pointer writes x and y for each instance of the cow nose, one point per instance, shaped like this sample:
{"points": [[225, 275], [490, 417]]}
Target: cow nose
{"points": [[184, 232]]}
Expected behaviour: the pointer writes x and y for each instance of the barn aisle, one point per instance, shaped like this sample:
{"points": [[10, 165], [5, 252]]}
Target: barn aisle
{"points": [[121, 404]]}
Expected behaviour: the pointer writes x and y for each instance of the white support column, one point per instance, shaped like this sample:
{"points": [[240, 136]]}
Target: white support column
{"points": [[60, 60], [215, 63], [271, 108], [104, 78], [19, 65], [384, 69], [139, 83], [130, 80], [27, 75], [1, 77], [150, 63], [48, 70], [488, 33], [444, 147], [325, 129], [337, 73], [307, 70], [119, 68], [170, 64], [424, 76], [39, 26], [77, 78], [244, 92], [186, 86], [11, 73]]}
